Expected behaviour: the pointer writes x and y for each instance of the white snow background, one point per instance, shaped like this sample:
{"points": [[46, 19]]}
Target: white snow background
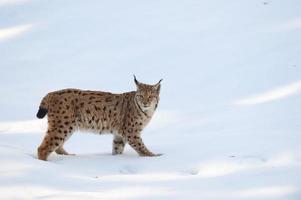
{"points": [[229, 120]]}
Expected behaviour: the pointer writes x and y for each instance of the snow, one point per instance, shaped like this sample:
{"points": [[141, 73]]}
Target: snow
{"points": [[272, 95], [228, 123]]}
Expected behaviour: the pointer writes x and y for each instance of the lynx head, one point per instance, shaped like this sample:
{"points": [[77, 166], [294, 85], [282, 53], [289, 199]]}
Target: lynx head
{"points": [[147, 96]]}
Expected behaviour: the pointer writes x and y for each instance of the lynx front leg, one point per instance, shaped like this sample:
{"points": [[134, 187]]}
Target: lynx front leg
{"points": [[136, 143], [118, 145]]}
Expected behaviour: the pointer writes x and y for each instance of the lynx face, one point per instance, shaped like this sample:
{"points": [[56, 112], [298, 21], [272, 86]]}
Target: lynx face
{"points": [[147, 96]]}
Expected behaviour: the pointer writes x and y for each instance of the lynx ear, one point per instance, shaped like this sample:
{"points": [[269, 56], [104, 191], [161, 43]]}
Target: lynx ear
{"points": [[157, 87], [136, 82]]}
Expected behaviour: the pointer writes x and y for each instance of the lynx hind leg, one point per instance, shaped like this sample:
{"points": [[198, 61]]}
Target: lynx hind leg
{"points": [[53, 141], [62, 151], [118, 145], [48, 145]]}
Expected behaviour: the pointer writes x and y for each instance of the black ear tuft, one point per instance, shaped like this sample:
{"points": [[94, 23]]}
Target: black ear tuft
{"points": [[137, 83]]}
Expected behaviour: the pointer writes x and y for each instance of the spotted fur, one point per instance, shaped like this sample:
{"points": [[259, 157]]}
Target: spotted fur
{"points": [[123, 115]]}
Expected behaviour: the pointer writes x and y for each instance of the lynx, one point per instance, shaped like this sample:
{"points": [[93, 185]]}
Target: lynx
{"points": [[123, 115]]}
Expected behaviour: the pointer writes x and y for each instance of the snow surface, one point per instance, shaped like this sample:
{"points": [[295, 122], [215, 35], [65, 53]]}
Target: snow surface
{"points": [[229, 120]]}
